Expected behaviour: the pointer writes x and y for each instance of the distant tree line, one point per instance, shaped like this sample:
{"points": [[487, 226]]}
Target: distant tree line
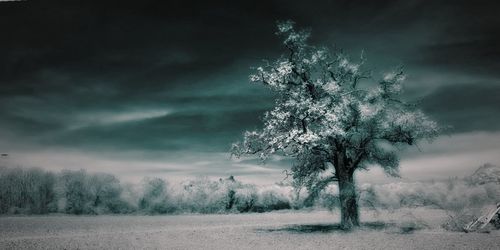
{"points": [[37, 191]]}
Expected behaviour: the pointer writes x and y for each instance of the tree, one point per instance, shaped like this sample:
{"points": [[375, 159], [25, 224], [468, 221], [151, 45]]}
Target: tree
{"points": [[76, 192], [154, 199], [105, 191], [328, 123]]}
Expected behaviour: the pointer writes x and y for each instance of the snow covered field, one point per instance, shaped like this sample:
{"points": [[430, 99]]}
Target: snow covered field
{"points": [[401, 229]]}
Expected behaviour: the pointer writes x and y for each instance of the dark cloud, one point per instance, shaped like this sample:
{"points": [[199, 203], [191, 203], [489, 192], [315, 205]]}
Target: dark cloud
{"points": [[479, 56], [466, 107]]}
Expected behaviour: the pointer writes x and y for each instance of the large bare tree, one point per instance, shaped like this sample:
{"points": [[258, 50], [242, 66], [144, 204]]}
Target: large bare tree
{"points": [[328, 122]]}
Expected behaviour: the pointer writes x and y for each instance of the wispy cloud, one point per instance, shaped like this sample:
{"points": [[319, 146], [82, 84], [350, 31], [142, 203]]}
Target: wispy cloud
{"points": [[110, 118]]}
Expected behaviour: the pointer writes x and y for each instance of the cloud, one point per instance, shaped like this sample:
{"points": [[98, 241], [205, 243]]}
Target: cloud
{"points": [[467, 107], [457, 155], [110, 118]]}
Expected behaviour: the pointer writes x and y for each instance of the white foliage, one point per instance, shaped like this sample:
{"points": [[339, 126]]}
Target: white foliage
{"points": [[322, 116]]}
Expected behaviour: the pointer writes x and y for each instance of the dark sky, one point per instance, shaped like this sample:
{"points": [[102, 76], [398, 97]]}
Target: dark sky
{"points": [[161, 87]]}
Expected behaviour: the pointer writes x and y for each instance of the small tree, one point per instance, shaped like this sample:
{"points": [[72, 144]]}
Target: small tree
{"points": [[328, 123]]}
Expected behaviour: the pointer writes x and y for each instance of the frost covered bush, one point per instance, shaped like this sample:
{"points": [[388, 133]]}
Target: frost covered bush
{"points": [[329, 198], [155, 197], [446, 195], [27, 191], [81, 193], [273, 197], [458, 217], [106, 191], [245, 198], [76, 197], [203, 195]]}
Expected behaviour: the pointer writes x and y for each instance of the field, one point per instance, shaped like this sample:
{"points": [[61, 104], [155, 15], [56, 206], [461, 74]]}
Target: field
{"points": [[400, 229]]}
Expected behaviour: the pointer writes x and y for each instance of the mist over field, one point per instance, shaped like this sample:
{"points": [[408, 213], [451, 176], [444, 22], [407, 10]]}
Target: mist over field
{"points": [[36, 191]]}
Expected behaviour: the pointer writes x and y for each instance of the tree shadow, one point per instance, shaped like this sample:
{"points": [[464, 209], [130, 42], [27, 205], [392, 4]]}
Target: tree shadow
{"points": [[327, 228], [395, 228]]}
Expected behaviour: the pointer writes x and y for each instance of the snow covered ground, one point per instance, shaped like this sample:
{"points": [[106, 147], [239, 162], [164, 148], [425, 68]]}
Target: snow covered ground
{"points": [[401, 229]]}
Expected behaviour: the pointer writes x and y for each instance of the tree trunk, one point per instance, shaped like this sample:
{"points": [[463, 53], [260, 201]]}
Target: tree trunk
{"points": [[348, 199]]}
